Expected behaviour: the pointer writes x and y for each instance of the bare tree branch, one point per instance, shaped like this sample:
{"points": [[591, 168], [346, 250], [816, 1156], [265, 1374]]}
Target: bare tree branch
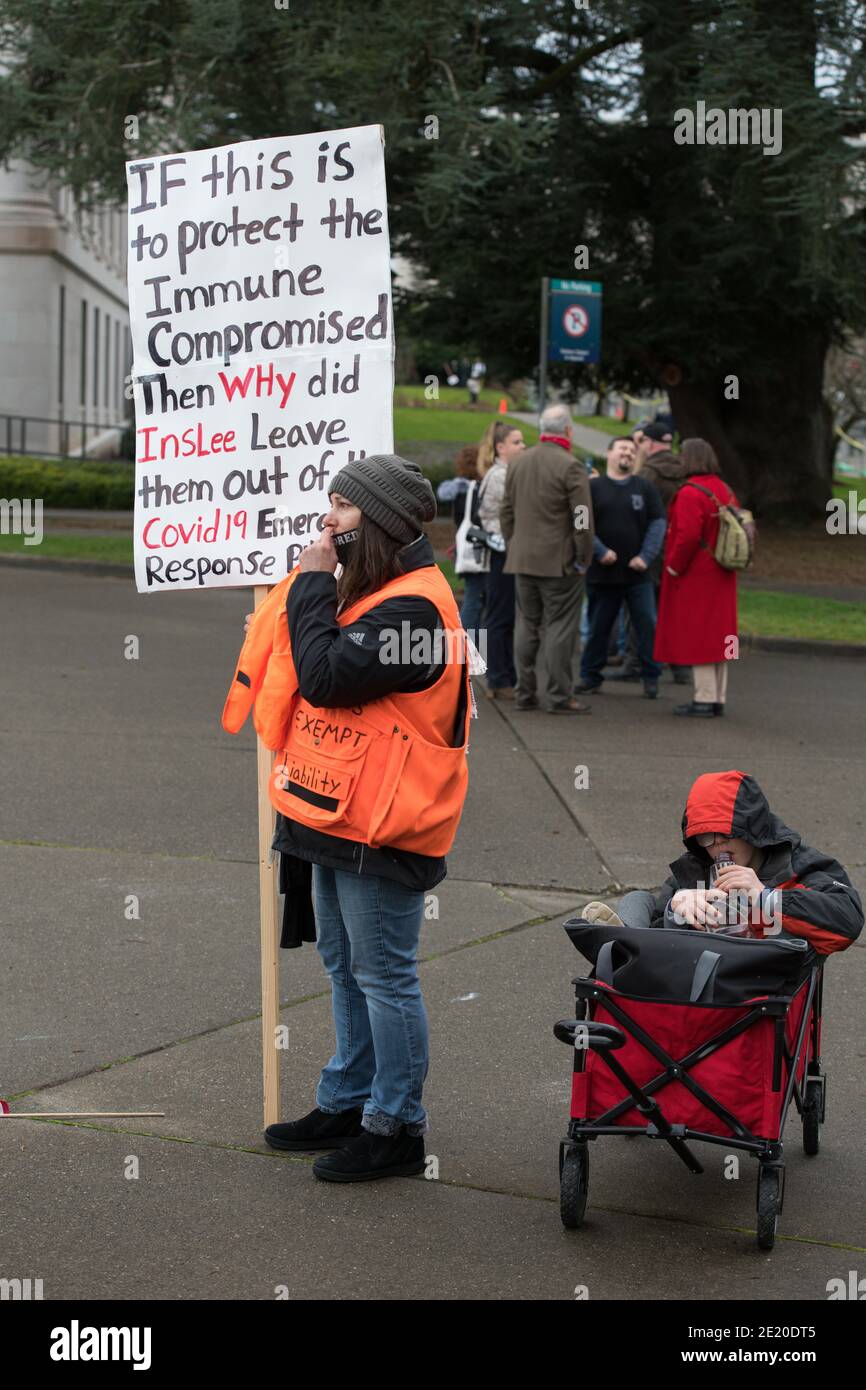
{"points": [[583, 56]]}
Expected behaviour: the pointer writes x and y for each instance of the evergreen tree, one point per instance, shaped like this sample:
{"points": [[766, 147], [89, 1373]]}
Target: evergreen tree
{"points": [[729, 273]]}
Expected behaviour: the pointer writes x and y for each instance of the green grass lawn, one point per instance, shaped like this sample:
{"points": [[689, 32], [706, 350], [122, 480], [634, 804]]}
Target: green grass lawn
{"points": [[768, 614], [114, 550], [451, 397], [450, 426], [841, 489], [451, 429]]}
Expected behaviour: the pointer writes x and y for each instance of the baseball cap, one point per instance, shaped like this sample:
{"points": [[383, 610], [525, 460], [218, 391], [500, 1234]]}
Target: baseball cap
{"points": [[660, 434]]}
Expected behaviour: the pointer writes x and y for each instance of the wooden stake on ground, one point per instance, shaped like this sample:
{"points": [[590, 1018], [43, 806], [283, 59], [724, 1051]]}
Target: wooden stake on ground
{"points": [[81, 1114], [268, 916]]}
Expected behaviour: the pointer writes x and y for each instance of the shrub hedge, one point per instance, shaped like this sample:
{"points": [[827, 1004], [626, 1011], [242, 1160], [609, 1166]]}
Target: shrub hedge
{"points": [[96, 484]]}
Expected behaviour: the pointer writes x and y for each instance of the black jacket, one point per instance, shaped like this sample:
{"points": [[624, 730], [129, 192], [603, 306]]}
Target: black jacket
{"points": [[666, 471], [624, 511], [822, 906], [342, 666]]}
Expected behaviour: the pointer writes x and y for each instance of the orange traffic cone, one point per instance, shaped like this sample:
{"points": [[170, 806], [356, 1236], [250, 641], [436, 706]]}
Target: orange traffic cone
{"points": [[503, 406]]}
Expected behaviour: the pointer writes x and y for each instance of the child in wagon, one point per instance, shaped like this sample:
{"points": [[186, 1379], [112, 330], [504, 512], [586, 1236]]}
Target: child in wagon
{"points": [[779, 886]]}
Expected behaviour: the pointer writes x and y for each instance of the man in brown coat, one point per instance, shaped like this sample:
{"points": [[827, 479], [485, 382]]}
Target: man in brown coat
{"points": [[546, 518]]}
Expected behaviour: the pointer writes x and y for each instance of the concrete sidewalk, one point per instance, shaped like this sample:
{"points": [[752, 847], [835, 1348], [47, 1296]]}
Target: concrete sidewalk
{"points": [[122, 783], [593, 441]]}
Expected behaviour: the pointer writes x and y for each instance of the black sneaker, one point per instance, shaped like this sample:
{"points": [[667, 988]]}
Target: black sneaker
{"points": [[650, 690], [318, 1130], [697, 709], [373, 1156], [718, 708], [587, 687]]}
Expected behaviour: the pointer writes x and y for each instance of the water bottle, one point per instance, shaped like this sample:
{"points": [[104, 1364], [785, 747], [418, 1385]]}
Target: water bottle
{"points": [[723, 859], [729, 928]]}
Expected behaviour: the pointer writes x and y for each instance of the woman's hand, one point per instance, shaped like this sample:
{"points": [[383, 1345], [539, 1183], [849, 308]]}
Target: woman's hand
{"points": [[321, 555], [247, 620], [700, 907]]}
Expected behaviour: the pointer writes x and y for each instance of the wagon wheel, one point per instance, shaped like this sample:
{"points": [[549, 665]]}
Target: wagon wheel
{"points": [[769, 1204], [573, 1184], [813, 1116]]}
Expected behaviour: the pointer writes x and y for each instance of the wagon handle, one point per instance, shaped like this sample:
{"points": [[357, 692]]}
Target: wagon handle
{"points": [[598, 1037]]}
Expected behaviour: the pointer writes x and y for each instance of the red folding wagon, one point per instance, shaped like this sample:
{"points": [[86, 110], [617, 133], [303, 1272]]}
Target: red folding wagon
{"points": [[681, 1035]]}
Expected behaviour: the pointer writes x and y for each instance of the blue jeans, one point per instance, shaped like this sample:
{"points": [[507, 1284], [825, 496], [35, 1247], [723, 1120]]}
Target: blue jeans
{"points": [[604, 605], [367, 931], [585, 623], [622, 633], [474, 601], [500, 625]]}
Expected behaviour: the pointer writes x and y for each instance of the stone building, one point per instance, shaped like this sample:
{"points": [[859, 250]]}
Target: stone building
{"points": [[64, 325]]}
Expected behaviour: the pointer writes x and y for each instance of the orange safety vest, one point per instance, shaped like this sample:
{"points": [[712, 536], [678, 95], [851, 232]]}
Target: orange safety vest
{"points": [[384, 773]]}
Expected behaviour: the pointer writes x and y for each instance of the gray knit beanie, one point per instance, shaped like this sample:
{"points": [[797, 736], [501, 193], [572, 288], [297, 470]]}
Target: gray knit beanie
{"points": [[389, 490]]}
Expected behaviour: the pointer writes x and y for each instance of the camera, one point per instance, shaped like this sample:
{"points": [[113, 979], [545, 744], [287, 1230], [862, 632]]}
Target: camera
{"points": [[482, 540]]}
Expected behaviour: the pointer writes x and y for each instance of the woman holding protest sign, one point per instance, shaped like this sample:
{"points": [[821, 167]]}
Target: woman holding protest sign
{"points": [[361, 685]]}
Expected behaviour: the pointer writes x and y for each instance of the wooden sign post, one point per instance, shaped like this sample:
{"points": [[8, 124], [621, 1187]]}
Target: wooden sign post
{"points": [[268, 927]]}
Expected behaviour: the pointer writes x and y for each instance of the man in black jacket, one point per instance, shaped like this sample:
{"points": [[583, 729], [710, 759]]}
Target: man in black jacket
{"points": [[657, 464], [629, 533]]}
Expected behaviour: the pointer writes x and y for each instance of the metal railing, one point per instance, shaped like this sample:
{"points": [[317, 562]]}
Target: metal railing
{"points": [[70, 436]]}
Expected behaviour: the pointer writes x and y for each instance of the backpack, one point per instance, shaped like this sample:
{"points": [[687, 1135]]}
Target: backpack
{"points": [[735, 543]]}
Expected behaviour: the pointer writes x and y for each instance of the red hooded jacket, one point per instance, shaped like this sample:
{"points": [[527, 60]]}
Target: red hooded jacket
{"points": [[818, 900]]}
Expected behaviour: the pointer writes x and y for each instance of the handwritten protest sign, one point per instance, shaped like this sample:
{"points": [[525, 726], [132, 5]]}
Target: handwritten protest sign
{"points": [[260, 302]]}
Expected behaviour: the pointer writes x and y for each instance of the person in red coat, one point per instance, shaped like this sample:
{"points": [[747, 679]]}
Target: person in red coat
{"points": [[697, 624]]}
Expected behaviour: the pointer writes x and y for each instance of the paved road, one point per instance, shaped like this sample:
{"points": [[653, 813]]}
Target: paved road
{"points": [[118, 781], [585, 437]]}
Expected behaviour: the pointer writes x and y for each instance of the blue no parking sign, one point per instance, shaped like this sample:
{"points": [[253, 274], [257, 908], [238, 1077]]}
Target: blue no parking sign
{"points": [[574, 333]]}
